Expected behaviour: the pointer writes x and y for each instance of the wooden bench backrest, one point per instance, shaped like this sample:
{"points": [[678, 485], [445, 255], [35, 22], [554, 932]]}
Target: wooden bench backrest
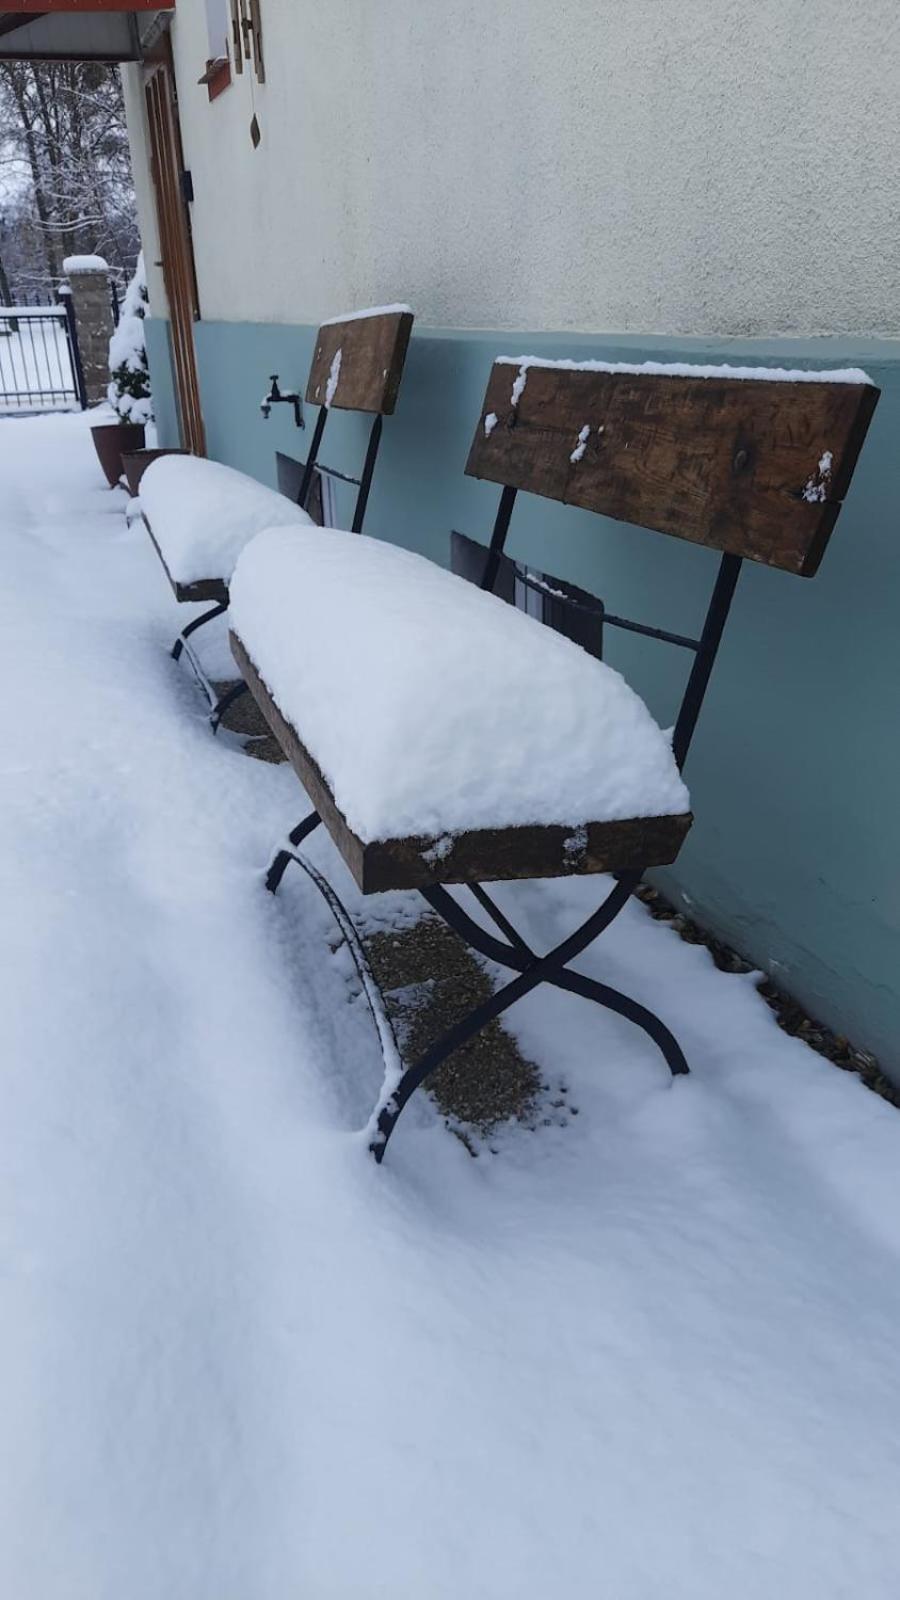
{"points": [[372, 349], [754, 467]]}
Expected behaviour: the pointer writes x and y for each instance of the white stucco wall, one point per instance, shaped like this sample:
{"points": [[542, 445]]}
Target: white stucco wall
{"points": [[672, 166]]}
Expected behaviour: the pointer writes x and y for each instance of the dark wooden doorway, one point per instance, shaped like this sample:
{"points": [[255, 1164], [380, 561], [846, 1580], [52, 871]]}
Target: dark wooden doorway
{"points": [[167, 166]]}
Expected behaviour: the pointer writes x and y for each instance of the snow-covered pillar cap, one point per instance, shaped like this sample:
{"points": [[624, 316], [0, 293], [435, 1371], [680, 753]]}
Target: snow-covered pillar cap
{"points": [[84, 264]]}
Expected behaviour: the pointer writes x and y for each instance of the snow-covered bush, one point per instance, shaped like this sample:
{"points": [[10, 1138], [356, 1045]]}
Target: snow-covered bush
{"points": [[129, 389]]}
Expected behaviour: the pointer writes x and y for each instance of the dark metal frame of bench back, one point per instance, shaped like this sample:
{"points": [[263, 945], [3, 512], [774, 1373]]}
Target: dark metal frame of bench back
{"points": [[372, 351], [752, 467]]}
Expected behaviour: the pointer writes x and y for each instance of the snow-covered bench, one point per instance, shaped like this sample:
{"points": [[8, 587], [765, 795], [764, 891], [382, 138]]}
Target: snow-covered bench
{"points": [[445, 738], [443, 717], [201, 514]]}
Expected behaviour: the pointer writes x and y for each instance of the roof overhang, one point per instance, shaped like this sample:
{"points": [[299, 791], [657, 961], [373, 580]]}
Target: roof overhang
{"points": [[78, 30]]}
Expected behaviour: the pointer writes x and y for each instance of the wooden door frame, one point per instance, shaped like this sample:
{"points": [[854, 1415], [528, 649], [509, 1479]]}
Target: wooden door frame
{"points": [[176, 245]]}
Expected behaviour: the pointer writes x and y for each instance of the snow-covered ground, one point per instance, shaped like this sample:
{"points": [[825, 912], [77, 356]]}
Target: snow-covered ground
{"points": [[651, 1353]]}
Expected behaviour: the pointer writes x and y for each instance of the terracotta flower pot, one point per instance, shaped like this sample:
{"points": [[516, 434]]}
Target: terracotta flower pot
{"points": [[110, 440], [136, 462]]}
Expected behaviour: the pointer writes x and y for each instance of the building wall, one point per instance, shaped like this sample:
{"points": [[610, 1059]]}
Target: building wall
{"points": [[590, 165], [615, 180], [135, 115]]}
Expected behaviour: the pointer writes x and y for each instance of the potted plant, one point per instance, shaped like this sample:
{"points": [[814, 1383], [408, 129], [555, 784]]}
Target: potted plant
{"points": [[136, 462], [129, 387]]}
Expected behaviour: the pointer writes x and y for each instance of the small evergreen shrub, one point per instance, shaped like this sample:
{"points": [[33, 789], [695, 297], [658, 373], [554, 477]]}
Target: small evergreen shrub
{"points": [[129, 388]]}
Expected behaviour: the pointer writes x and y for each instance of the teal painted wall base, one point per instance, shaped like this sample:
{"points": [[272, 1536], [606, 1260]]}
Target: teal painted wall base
{"points": [[159, 356], [795, 771]]}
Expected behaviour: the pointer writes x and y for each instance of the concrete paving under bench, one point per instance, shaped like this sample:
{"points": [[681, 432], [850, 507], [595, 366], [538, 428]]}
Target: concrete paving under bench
{"points": [[245, 717], [430, 980]]}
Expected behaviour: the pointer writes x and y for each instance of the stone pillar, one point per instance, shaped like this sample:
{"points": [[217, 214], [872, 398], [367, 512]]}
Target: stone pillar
{"points": [[89, 281]]}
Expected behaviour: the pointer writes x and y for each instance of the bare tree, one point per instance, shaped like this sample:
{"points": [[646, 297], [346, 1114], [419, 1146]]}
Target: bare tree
{"points": [[65, 167], [6, 298]]}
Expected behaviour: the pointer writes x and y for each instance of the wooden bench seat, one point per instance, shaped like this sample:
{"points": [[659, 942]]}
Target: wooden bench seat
{"points": [[403, 683]]}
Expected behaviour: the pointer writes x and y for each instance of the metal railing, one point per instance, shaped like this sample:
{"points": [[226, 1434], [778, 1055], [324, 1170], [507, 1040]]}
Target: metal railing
{"points": [[40, 363]]}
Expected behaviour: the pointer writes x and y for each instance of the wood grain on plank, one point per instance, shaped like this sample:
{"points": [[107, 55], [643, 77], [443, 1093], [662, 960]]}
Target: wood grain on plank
{"points": [[372, 353], [758, 468]]}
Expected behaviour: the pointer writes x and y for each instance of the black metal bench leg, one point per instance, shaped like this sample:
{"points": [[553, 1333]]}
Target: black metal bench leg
{"points": [[552, 969], [217, 610], [221, 706], [614, 1000], [284, 858], [561, 976]]}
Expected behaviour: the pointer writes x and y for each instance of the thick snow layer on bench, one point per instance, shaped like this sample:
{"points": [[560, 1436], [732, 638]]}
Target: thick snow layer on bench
{"points": [[434, 708], [203, 514], [684, 369], [369, 311]]}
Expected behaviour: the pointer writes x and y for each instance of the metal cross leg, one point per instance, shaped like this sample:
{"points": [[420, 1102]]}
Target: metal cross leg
{"points": [[532, 970], [511, 951]]}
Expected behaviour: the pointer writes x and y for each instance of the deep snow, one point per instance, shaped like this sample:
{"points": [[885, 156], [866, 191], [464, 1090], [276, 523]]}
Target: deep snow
{"points": [[651, 1353]]}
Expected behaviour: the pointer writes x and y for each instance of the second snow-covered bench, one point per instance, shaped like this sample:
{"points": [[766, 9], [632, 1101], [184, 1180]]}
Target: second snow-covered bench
{"points": [[201, 515], [445, 738]]}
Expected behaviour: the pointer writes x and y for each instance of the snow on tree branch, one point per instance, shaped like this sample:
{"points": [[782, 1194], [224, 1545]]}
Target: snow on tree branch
{"points": [[129, 389]]}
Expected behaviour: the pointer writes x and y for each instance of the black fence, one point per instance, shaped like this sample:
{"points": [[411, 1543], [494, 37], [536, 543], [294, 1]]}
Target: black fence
{"points": [[40, 363]]}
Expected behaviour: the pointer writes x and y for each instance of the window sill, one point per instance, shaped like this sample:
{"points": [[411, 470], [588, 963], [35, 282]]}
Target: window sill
{"points": [[217, 77]]}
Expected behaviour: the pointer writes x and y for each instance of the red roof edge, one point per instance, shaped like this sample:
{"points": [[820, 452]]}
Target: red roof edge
{"points": [[44, 7]]}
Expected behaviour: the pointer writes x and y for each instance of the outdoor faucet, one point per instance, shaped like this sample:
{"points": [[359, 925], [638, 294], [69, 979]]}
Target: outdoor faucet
{"points": [[276, 397]]}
